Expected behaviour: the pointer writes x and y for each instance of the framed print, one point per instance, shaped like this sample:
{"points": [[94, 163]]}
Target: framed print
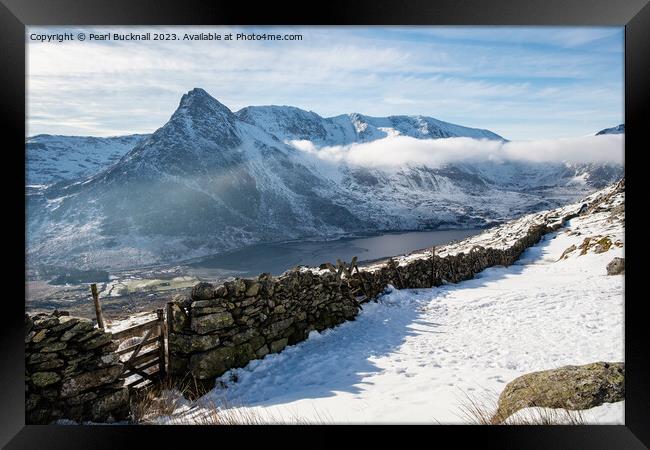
{"points": [[370, 213]]}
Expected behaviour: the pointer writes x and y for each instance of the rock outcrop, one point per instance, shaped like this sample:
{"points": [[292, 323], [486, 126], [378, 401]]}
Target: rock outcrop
{"points": [[568, 387], [616, 266]]}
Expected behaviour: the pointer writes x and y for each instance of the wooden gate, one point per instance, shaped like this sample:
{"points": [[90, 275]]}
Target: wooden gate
{"points": [[144, 361]]}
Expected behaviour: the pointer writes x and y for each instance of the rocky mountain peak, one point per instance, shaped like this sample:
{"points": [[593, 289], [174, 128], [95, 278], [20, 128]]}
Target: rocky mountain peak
{"points": [[198, 102], [200, 116]]}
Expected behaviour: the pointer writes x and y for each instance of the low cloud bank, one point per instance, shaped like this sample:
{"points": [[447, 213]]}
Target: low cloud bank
{"points": [[395, 151]]}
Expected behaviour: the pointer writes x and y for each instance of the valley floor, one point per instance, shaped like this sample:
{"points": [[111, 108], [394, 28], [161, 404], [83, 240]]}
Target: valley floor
{"points": [[416, 355]]}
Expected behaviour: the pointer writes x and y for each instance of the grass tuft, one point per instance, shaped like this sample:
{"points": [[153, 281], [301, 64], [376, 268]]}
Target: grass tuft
{"points": [[482, 409]]}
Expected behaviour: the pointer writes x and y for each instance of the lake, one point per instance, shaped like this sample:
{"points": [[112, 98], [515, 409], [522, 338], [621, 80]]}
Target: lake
{"points": [[279, 257]]}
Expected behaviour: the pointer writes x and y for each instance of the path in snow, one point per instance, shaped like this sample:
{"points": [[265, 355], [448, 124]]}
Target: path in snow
{"points": [[415, 354]]}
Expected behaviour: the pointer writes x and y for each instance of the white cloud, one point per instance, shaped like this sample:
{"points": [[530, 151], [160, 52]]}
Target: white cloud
{"points": [[399, 151]]}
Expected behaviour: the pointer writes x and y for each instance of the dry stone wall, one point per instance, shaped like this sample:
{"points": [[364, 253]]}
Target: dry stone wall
{"points": [[435, 270], [217, 328], [71, 371], [225, 326]]}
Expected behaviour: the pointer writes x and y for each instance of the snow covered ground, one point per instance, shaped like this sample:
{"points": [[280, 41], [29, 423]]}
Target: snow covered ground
{"points": [[415, 355], [131, 321]]}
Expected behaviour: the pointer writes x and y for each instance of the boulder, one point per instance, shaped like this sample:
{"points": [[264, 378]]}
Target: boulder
{"points": [[568, 387], [616, 266], [182, 299]]}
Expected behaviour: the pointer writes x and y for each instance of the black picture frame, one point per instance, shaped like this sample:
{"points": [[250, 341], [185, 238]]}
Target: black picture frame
{"points": [[16, 14]]}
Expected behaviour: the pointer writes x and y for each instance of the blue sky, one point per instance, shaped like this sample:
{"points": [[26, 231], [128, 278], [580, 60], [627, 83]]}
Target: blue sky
{"points": [[520, 82]]}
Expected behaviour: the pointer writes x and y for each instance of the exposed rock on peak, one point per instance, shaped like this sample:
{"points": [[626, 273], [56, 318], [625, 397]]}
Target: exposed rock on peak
{"points": [[199, 101]]}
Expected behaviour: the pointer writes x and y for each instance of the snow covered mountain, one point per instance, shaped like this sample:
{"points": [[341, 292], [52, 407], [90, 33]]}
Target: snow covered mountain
{"points": [[211, 180], [289, 123], [55, 158], [620, 129], [51, 159]]}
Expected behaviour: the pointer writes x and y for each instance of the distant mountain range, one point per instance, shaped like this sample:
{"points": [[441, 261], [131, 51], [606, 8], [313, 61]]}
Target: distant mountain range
{"points": [[211, 180], [620, 129], [51, 159]]}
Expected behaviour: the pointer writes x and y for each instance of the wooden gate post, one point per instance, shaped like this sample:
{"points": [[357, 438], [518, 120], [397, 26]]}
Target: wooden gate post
{"points": [[98, 308], [161, 325], [433, 265]]}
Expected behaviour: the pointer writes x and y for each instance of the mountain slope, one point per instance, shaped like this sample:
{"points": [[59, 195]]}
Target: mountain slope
{"points": [[51, 159]]}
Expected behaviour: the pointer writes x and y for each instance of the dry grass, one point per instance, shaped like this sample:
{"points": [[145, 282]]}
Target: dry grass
{"points": [[545, 416], [162, 399], [168, 403], [185, 403], [482, 409], [212, 414]]}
